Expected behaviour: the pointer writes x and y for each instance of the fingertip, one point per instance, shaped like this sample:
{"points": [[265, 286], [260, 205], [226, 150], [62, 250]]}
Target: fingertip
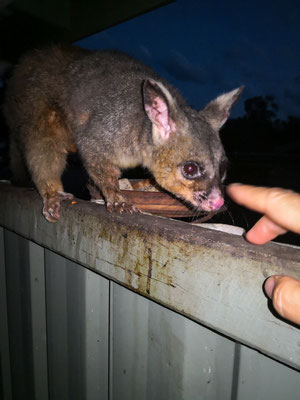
{"points": [[235, 184], [263, 231], [232, 186], [272, 282], [269, 286], [257, 238]]}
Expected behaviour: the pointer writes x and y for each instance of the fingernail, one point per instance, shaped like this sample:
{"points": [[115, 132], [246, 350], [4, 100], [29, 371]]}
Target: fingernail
{"points": [[269, 286]]}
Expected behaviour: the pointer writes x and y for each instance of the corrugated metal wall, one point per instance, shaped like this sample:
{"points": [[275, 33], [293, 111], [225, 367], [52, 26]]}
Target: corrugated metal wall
{"points": [[69, 333]]}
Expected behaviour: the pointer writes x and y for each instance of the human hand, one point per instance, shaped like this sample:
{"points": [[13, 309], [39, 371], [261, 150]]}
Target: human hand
{"points": [[285, 294], [281, 209]]}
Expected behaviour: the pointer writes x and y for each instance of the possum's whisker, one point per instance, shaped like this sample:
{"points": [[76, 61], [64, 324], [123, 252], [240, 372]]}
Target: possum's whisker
{"points": [[228, 211]]}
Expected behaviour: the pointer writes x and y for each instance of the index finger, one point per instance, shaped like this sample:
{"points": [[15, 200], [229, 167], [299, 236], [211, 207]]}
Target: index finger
{"points": [[280, 205]]}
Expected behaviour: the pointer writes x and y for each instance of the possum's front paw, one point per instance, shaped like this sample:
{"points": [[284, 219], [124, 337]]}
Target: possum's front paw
{"points": [[121, 207], [52, 205], [117, 202], [114, 199]]}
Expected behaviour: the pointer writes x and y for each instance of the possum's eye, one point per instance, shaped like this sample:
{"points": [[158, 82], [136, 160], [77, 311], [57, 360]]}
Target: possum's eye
{"points": [[191, 170]]}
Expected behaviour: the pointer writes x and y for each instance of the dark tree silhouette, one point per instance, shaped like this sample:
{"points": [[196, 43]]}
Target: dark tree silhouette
{"points": [[263, 149], [261, 108]]}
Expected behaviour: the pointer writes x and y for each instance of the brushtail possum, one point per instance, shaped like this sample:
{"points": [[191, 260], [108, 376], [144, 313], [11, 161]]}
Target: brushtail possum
{"points": [[117, 113]]}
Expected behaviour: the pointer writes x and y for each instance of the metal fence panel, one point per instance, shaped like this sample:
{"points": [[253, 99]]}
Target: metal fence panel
{"points": [[27, 312], [158, 354], [77, 330], [213, 277], [262, 378], [66, 328], [38, 320], [5, 378], [19, 315]]}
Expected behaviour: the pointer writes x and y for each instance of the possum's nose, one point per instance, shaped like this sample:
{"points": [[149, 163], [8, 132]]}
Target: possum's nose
{"points": [[214, 200], [215, 205]]}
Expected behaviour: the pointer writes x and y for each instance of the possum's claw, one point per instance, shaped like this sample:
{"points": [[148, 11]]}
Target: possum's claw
{"points": [[118, 203], [52, 205], [121, 208]]}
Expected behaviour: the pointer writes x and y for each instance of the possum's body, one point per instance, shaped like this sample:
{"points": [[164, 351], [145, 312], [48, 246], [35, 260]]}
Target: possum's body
{"points": [[117, 113]]}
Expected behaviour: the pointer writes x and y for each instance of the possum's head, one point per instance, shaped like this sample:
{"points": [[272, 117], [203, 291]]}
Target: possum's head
{"points": [[188, 158]]}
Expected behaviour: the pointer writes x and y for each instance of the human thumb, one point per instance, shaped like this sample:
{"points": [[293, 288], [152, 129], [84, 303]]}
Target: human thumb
{"points": [[285, 294]]}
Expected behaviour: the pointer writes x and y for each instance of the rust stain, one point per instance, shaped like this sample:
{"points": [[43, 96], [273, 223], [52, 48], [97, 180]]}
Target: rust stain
{"points": [[170, 282], [149, 276]]}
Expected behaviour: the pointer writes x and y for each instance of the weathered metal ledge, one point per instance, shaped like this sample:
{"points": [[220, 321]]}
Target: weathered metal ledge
{"points": [[212, 277]]}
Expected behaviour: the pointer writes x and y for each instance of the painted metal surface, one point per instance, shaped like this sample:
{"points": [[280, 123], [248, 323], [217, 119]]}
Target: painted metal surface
{"points": [[262, 378], [36, 271], [19, 315], [57, 334], [159, 354], [212, 277], [77, 330], [26, 330], [5, 385], [104, 341]]}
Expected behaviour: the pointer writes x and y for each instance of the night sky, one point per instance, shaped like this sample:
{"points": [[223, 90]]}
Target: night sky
{"points": [[205, 48]]}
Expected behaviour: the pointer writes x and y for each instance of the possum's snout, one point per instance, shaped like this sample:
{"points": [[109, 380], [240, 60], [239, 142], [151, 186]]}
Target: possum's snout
{"points": [[209, 201]]}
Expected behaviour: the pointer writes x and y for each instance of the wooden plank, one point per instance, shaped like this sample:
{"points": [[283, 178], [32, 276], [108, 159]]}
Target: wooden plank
{"points": [[213, 277]]}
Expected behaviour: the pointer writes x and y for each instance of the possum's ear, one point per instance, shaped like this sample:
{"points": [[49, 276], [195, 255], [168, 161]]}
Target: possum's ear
{"points": [[158, 102], [217, 111]]}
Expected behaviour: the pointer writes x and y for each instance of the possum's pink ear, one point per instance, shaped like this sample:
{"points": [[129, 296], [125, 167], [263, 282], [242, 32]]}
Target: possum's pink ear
{"points": [[157, 103], [217, 111]]}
